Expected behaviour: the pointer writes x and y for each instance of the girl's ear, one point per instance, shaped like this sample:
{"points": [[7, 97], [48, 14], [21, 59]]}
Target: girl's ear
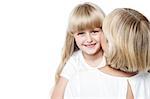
{"points": [[103, 41]]}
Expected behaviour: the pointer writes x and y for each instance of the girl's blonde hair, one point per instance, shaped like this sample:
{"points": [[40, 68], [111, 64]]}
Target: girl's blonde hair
{"points": [[83, 16], [128, 34]]}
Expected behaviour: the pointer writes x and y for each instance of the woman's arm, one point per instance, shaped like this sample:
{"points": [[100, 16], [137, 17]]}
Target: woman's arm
{"points": [[59, 89], [129, 92]]}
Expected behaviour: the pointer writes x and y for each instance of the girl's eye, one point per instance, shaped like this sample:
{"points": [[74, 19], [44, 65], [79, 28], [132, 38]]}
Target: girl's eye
{"points": [[80, 33], [94, 32]]}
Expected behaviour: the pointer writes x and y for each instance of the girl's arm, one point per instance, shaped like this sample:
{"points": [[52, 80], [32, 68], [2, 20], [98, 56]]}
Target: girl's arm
{"points": [[59, 89]]}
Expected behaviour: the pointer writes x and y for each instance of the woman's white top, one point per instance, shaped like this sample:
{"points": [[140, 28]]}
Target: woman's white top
{"points": [[94, 84], [76, 63]]}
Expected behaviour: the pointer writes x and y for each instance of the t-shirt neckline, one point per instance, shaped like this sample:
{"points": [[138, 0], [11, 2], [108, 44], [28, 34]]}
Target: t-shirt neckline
{"points": [[101, 64]]}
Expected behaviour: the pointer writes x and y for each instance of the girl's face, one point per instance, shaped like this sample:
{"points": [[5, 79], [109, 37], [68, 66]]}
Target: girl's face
{"points": [[89, 41]]}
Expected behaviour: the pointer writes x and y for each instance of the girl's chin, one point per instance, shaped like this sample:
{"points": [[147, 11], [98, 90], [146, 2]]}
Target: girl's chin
{"points": [[90, 52]]}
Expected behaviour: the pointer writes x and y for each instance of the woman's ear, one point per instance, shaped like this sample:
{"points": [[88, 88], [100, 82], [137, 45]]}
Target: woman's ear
{"points": [[103, 41]]}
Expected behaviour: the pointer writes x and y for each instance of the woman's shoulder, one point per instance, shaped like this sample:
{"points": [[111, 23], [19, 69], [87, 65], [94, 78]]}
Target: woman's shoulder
{"points": [[142, 75], [141, 78]]}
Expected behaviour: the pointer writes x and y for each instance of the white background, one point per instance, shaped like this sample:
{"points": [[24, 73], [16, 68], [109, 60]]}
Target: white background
{"points": [[32, 34]]}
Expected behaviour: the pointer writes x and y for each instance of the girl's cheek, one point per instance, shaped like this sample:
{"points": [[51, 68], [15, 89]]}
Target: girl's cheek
{"points": [[103, 42]]}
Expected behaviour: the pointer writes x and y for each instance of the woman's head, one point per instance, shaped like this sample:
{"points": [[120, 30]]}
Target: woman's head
{"points": [[86, 16], [128, 34]]}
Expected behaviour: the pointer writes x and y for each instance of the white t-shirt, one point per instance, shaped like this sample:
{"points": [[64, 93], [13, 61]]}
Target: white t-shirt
{"points": [[76, 63], [94, 84]]}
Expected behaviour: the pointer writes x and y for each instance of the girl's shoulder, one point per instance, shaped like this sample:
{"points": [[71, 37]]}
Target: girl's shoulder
{"points": [[76, 55]]}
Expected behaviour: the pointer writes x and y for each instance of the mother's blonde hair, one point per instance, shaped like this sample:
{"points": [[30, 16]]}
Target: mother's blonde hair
{"points": [[128, 34], [83, 16]]}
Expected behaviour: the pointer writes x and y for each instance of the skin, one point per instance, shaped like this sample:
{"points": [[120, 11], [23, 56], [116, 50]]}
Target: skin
{"points": [[59, 89], [88, 41], [129, 92], [103, 41]]}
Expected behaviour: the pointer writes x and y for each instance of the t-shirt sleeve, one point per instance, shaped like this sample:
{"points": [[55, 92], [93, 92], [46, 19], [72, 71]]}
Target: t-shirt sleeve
{"points": [[141, 86], [148, 85], [72, 89], [69, 69]]}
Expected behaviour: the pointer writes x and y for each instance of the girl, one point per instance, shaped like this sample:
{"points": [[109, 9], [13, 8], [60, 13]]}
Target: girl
{"points": [[82, 49], [127, 53]]}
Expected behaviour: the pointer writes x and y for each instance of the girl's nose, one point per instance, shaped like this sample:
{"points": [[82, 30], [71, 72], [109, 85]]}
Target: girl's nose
{"points": [[89, 38]]}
